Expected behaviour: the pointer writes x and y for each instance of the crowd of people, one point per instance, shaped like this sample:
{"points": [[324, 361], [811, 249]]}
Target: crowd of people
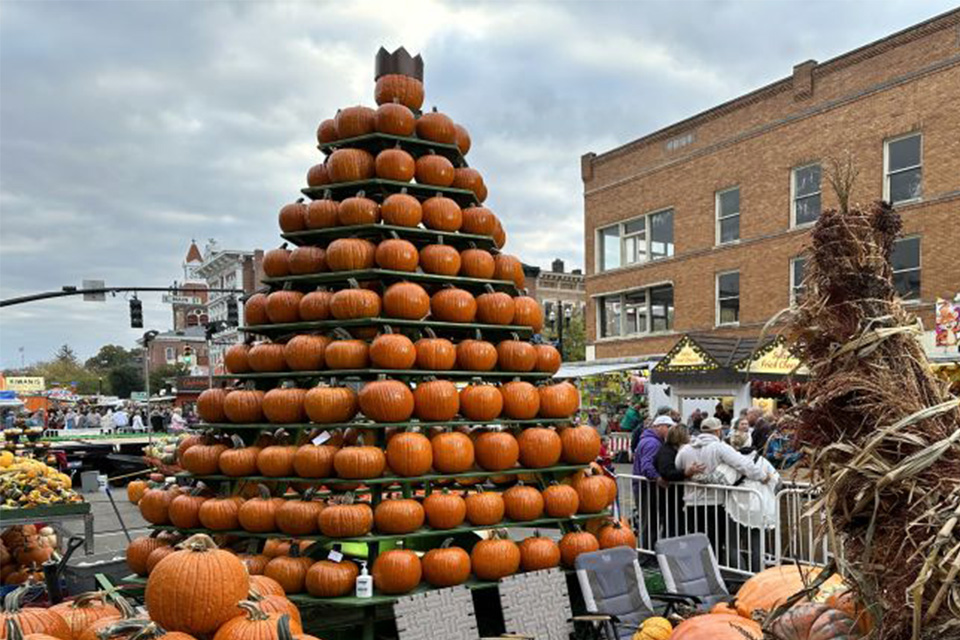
{"points": [[124, 417]]}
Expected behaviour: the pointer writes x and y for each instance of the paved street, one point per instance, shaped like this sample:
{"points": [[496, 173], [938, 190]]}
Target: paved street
{"points": [[108, 531]]}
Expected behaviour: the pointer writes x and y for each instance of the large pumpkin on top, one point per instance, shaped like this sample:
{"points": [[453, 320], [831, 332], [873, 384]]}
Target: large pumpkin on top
{"points": [[197, 589]]}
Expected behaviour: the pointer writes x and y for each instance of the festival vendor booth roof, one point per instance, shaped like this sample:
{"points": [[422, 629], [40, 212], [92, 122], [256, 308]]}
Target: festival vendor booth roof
{"points": [[701, 371]]}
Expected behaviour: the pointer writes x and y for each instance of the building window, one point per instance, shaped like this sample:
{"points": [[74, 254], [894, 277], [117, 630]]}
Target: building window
{"points": [[728, 298], [636, 241], [728, 215], [906, 268], [796, 279], [171, 354], [805, 190], [903, 169], [637, 312]]}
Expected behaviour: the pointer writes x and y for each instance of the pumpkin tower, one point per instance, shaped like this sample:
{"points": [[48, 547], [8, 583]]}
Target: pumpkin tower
{"points": [[395, 391]]}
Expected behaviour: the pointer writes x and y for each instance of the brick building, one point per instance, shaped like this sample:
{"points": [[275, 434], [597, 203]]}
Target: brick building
{"points": [[556, 287], [186, 346], [189, 298], [700, 227]]}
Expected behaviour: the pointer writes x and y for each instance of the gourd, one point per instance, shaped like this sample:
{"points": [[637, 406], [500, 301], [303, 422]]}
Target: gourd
{"points": [[655, 628]]}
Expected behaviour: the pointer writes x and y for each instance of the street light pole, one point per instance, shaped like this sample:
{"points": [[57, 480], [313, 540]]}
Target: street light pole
{"points": [[560, 318], [147, 339]]}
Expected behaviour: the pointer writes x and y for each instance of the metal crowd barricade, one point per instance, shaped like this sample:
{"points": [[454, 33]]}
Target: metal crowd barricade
{"points": [[690, 507], [798, 536]]}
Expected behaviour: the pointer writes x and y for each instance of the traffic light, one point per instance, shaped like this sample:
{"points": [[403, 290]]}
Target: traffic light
{"points": [[233, 312], [136, 314]]}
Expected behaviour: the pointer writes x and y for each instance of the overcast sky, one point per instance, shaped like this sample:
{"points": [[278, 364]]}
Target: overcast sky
{"points": [[128, 128]]}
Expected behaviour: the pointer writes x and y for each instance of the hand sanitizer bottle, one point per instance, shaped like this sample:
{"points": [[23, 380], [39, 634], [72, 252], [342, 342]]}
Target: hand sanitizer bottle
{"points": [[364, 582]]}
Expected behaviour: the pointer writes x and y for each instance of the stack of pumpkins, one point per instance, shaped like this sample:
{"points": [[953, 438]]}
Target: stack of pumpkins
{"points": [[388, 406]]}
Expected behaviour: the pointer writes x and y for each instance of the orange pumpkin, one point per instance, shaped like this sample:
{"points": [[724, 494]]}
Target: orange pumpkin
{"points": [[717, 626], [397, 571]]}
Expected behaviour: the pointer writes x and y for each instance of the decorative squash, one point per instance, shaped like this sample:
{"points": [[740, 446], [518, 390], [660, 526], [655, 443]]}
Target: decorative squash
{"points": [[538, 553], [255, 310], [559, 400], [396, 571], [480, 402], [305, 352], [496, 450], [655, 628], [477, 263], [574, 543], [235, 358], [398, 516], [355, 121], [409, 453], [717, 626], [266, 357], [523, 503], [495, 558], [359, 462], [346, 519], [401, 210], [516, 355], [433, 353], [527, 313], [437, 127], [521, 401], [581, 444], [259, 515], [397, 254], [284, 405], [396, 87], [406, 300], [484, 508], [495, 307], [350, 304], [444, 510], [358, 210], [770, 588], [139, 550], [386, 401], [453, 305], [395, 119], [243, 406], [328, 579], [440, 259], [315, 306], [395, 164], [327, 405], [210, 405], [446, 566], [439, 212], [560, 501], [197, 589], [323, 213], [453, 452], [476, 355]]}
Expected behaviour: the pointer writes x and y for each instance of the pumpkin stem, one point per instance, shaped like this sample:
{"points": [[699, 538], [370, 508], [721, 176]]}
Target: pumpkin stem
{"points": [[127, 612], [327, 194], [237, 441], [362, 193], [489, 289], [283, 628], [430, 332], [353, 283], [387, 328], [123, 627], [88, 599], [446, 543], [253, 610], [198, 542], [301, 200], [309, 493], [264, 491], [14, 631]]}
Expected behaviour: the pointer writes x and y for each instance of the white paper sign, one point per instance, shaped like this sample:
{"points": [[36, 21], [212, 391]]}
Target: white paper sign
{"points": [[335, 556], [322, 437]]}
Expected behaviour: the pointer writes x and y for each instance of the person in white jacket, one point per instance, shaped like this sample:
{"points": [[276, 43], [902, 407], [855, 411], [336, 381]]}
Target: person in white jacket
{"points": [[723, 465]]}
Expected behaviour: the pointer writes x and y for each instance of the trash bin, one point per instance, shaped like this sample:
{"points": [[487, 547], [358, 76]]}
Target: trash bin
{"points": [[89, 481], [78, 574]]}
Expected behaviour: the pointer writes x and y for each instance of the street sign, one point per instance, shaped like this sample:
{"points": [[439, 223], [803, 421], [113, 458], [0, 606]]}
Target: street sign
{"points": [[139, 396], [172, 299], [94, 297]]}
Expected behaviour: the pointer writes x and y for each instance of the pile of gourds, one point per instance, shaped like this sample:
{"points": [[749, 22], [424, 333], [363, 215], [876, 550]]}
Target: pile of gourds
{"points": [[23, 549], [830, 613], [26, 482]]}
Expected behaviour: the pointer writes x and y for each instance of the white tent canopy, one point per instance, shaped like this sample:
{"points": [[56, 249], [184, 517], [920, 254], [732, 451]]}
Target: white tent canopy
{"points": [[594, 368]]}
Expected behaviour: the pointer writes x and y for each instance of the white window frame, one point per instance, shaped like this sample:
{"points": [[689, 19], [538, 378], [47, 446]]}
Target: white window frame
{"points": [[717, 218], [716, 297], [599, 303], [170, 354], [793, 281], [793, 194], [919, 268], [622, 237], [886, 167]]}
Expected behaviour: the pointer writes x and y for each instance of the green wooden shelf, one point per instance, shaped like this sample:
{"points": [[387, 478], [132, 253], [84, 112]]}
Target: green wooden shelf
{"points": [[389, 480], [393, 373], [416, 235], [442, 329], [352, 602], [376, 142], [271, 426], [378, 189], [377, 537], [388, 276]]}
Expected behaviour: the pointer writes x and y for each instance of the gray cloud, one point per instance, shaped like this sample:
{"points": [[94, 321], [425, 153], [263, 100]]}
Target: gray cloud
{"points": [[128, 128]]}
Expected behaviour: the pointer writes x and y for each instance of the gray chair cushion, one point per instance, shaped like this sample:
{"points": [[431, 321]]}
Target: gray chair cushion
{"points": [[690, 567], [612, 583]]}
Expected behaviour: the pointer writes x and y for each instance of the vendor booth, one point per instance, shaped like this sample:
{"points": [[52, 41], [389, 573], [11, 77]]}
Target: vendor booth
{"points": [[712, 373]]}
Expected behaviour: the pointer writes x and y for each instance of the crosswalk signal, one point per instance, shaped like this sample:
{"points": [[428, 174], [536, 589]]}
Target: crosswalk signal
{"points": [[233, 312], [136, 314]]}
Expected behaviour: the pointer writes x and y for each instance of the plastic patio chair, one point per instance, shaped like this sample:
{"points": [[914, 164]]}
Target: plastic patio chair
{"points": [[689, 565], [613, 587]]}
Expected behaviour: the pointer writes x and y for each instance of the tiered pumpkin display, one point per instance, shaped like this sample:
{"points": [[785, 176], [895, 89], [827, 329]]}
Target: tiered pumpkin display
{"points": [[400, 354]]}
